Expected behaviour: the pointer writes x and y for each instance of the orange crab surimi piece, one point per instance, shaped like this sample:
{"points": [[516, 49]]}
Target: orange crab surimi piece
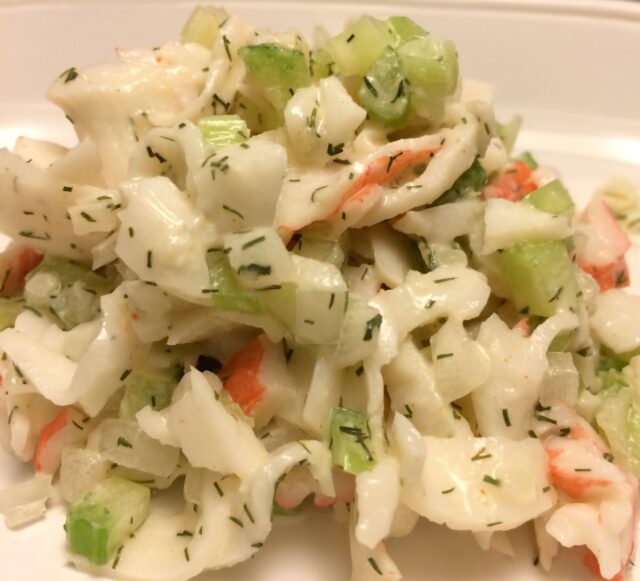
{"points": [[241, 376], [381, 171], [611, 240], [513, 184], [66, 428], [15, 263], [573, 484], [612, 275]]}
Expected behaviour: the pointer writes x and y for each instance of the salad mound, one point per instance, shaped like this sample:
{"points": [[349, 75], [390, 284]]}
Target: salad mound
{"points": [[271, 277]]}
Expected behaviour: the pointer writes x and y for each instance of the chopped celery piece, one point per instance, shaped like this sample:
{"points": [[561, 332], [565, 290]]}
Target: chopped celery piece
{"points": [[528, 160], [472, 180], [69, 272], [383, 92], [202, 26], [405, 29], [356, 48], [430, 64], [227, 292], [508, 132], [540, 276], [612, 380], [350, 441], [221, 130], [68, 290], [9, 310], [552, 198], [619, 419], [104, 518], [280, 70], [147, 388], [321, 64]]}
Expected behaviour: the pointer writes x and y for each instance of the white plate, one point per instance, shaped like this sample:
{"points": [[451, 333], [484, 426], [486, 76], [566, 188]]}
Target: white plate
{"points": [[570, 68]]}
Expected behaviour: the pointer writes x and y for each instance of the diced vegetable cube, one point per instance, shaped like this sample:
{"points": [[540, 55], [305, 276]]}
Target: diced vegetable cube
{"points": [[350, 441], [221, 130], [103, 519], [356, 49], [147, 388], [202, 26], [430, 64], [540, 276], [384, 93], [278, 69], [321, 64], [552, 198], [405, 29], [68, 290], [227, 292]]}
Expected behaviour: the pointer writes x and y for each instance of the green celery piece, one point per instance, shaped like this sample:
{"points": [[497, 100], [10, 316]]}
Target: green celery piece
{"points": [[202, 26], [280, 70], [508, 131], [472, 180], [221, 130], [9, 311], [104, 518], [227, 292], [528, 160], [619, 419], [430, 64], [552, 198], [78, 300], [405, 29], [356, 48], [384, 92], [321, 64], [69, 272], [540, 276], [147, 388], [350, 441]]}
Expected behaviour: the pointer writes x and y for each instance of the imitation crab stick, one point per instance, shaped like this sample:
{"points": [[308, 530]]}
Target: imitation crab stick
{"points": [[381, 171], [513, 184], [602, 256], [15, 263], [240, 376], [68, 427]]}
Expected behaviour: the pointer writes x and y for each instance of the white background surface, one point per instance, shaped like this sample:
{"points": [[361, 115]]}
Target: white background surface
{"points": [[570, 68]]}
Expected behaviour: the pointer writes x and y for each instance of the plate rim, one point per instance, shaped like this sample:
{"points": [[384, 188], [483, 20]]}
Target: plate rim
{"points": [[624, 11]]}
